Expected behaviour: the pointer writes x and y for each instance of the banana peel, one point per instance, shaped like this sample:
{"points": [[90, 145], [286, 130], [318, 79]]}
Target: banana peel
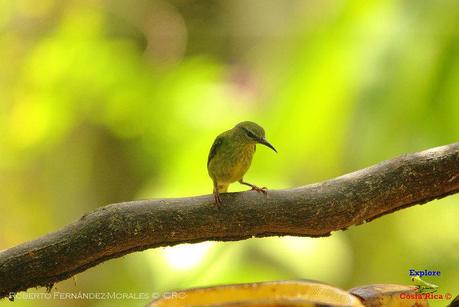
{"points": [[294, 293], [275, 293], [388, 295]]}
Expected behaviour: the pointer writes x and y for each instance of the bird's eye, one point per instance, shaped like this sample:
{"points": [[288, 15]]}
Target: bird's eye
{"points": [[251, 135]]}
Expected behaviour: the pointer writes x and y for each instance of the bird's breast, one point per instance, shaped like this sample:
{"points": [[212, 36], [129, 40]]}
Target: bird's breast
{"points": [[231, 165], [242, 161]]}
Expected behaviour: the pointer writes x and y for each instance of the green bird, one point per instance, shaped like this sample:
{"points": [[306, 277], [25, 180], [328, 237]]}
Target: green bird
{"points": [[231, 155]]}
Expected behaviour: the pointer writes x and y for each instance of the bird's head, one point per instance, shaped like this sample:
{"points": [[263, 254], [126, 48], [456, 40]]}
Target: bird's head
{"points": [[252, 133]]}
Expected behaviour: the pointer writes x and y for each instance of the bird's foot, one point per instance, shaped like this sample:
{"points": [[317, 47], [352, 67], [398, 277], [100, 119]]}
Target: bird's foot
{"points": [[254, 187], [263, 190]]}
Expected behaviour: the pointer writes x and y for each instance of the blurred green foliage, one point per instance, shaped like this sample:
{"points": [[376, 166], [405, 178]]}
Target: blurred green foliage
{"points": [[108, 101]]}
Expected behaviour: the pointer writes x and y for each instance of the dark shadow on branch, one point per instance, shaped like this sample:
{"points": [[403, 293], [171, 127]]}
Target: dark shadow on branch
{"points": [[314, 210]]}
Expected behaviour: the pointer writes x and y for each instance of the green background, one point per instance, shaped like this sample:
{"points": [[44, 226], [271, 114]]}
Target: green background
{"points": [[109, 101]]}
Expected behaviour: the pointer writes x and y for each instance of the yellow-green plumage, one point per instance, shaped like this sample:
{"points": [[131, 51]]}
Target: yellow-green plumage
{"points": [[230, 163], [231, 155]]}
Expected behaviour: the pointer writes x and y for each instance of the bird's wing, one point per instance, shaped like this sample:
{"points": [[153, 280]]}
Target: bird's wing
{"points": [[213, 150]]}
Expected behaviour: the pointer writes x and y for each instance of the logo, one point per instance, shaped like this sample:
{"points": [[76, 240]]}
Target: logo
{"points": [[425, 290], [423, 286]]}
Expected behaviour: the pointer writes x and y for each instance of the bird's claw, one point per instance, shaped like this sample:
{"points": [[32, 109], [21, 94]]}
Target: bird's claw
{"points": [[263, 190]]}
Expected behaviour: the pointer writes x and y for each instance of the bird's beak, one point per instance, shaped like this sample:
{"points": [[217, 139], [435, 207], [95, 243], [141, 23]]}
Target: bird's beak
{"points": [[266, 143]]}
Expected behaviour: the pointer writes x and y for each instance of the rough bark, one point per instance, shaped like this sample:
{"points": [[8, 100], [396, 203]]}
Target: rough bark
{"points": [[314, 210]]}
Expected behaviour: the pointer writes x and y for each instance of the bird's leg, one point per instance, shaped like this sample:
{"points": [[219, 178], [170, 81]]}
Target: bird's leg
{"points": [[254, 187], [217, 198]]}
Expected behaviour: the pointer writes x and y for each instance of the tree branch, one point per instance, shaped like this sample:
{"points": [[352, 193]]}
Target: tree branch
{"points": [[313, 210]]}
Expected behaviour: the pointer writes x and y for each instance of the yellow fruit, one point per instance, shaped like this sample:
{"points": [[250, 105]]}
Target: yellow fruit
{"points": [[276, 293], [388, 295]]}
